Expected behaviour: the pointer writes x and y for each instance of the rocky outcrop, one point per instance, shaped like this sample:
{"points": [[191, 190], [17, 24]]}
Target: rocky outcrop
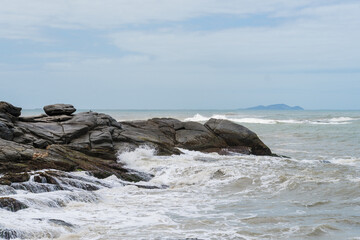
{"points": [[90, 141], [59, 109]]}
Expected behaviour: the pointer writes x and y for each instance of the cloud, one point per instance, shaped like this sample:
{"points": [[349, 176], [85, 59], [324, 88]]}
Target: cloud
{"points": [[326, 40], [109, 14], [215, 52]]}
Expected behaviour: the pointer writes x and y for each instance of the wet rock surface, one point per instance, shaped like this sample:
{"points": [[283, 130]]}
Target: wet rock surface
{"points": [[90, 141]]}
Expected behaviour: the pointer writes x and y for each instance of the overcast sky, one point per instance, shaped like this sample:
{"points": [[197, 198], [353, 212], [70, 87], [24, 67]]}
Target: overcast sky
{"points": [[180, 54]]}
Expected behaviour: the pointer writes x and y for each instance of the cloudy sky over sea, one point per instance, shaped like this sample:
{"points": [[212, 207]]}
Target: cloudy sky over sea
{"points": [[158, 54]]}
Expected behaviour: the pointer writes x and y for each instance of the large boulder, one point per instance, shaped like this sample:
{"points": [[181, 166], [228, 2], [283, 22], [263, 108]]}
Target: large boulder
{"points": [[237, 136], [8, 108], [59, 109]]}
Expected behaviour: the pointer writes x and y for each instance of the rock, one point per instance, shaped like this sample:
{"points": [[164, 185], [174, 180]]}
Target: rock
{"points": [[5, 132], [11, 204], [59, 109], [8, 108], [19, 158], [195, 136], [9, 178], [238, 136]]}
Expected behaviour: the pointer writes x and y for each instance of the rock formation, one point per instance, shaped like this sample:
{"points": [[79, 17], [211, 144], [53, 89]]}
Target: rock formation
{"points": [[90, 141]]}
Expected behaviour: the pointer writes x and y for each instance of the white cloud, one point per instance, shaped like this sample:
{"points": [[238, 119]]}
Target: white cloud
{"points": [[108, 14], [329, 39], [319, 34]]}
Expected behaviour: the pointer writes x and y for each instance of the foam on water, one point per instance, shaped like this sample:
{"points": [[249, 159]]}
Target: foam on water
{"points": [[331, 121], [209, 196]]}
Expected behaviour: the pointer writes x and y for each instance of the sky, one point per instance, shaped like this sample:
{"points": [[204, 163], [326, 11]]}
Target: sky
{"points": [[180, 54]]}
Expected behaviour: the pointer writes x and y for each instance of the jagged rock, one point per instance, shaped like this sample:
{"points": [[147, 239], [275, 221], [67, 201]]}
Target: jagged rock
{"points": [[195, 136], [18, 158], [236, 135], [8, 108], [11, 204], [59, 109]]}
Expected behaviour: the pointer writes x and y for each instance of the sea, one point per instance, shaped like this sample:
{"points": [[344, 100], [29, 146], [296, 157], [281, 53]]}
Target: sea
{"points": [[314, 193]]}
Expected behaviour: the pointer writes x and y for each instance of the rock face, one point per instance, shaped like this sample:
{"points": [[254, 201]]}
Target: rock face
{"points": [[90, 141], [59, 109], [238, 136]]}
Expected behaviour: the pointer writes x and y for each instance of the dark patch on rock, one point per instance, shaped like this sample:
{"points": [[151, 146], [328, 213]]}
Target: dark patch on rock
{"points": [[5, 132]]}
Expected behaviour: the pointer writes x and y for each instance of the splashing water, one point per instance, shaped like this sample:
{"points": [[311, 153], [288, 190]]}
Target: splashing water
{"points": [[313, 195]]}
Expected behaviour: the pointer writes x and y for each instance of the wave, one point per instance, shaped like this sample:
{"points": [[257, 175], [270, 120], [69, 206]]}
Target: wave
{"points": [[332, 121]]}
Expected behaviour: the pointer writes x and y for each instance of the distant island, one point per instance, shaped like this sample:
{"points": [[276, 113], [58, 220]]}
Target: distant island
{"points": [[275, 107]]}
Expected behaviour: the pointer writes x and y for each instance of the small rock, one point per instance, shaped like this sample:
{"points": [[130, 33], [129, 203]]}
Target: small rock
{"points": [[59, 109]]}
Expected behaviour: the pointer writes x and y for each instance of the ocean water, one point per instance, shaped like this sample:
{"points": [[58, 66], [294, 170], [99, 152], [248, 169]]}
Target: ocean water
{"points": [[314, 194]]}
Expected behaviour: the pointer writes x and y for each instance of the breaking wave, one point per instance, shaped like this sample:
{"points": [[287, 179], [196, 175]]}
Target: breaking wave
{"points": [[338, 120]]}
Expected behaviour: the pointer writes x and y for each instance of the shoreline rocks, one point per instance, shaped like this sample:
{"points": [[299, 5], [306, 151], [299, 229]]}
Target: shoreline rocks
{"points": [[90, 141]]}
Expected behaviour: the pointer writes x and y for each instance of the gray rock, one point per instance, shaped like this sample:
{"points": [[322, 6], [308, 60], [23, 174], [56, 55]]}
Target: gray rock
{"points": [[8, 108], [236, 135], [59, 109], [5, 132], [195, 136]]}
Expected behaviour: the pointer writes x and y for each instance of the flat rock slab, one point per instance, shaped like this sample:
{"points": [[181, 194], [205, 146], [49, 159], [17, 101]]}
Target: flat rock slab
{"points": [[59, 109]]}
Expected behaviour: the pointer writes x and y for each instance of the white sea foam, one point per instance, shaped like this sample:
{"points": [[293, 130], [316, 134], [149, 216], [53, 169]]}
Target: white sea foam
{"points": [[332, 121], [209, 196]]}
